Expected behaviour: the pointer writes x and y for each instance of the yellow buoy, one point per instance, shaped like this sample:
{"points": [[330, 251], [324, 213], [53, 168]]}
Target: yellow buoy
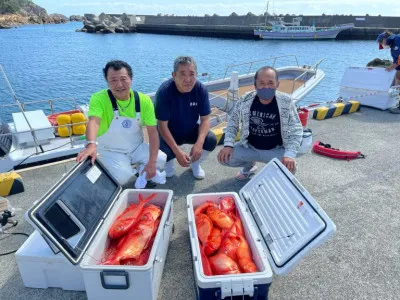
{"points": [[78, 118], [64, 119]]}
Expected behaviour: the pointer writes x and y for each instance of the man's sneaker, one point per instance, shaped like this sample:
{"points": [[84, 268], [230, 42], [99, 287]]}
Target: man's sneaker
{"points": [[170, 168], [395, 110], [197, 171], [150, 184], [244, 175]]}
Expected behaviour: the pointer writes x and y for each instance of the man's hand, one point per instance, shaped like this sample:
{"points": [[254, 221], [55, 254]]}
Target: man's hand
{"points": [[392, 67], [195, 152], [183, 159], [150, 170], [225, 154], [289, 163], [90, 150]]}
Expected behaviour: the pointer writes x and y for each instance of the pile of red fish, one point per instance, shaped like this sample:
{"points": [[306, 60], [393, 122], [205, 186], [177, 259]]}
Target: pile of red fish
{"points": [[224, 249], [132, 234]]}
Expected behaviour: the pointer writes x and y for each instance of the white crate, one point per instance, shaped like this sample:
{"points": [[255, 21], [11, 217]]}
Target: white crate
{"points": [[282, 224], [128, 282], [41, 268], [38, 121]]}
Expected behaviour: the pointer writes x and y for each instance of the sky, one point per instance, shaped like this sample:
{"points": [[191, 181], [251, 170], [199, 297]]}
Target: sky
{"points": [[222, 7]]}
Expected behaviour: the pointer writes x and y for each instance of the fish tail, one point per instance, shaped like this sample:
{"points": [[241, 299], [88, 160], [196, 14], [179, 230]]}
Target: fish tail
{"points": [[146, 200]]}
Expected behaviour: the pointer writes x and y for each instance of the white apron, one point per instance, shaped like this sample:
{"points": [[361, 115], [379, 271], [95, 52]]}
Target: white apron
{"points": [[124, 134]]}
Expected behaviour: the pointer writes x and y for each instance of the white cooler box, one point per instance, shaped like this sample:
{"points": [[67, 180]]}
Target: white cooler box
{"points": [[74, 217], [41, 268], [282, 224], [369, 86]]}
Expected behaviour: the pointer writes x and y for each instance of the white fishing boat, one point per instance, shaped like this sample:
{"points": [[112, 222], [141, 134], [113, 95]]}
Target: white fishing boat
{"points": [[281, 30], [32, 136]]}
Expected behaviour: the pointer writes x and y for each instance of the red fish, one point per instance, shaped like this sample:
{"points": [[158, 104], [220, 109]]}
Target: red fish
{"points": [[205, 262], [136, 241], [126, 222], [142, 259], [213, 242], [203, 207], [219, 218], [203, 227], [222, 264], [245, 259], [110, 250], [236, 229], [144, 256], [227, 204], [229, 246]]}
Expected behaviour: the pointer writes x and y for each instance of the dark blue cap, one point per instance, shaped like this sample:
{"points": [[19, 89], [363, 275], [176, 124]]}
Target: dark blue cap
{"points": [[381, 37]]}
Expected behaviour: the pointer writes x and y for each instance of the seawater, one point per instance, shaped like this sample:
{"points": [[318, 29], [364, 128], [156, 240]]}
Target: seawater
{"points": [[53, 61]]}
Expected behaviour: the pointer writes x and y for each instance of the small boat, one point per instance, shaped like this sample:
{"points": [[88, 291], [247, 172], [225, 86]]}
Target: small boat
{"points": [[295, 31], [33, 133]]}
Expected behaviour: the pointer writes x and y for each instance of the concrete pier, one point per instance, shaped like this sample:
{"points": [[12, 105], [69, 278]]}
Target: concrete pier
{"points": [[361, 261], [245, 31]]}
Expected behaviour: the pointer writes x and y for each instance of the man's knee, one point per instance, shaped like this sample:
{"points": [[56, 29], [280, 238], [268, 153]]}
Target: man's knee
{"points": [[210, 142]]}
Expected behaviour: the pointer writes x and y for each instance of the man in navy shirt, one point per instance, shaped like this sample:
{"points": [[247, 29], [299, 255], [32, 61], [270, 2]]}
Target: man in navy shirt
{"points": [[180, 102], [392, 41]]}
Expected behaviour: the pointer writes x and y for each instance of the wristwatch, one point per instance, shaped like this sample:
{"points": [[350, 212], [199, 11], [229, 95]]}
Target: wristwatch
{"points": [[90, 142]]}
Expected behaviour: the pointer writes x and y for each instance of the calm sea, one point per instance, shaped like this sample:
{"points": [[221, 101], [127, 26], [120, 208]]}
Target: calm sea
{"points": [[54, 61]]}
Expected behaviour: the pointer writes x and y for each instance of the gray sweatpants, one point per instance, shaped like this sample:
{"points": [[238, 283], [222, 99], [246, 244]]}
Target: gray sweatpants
{"points": [[244, 157]]}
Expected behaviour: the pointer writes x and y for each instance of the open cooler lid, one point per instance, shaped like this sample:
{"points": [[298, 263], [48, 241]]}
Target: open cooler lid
{"points": [[288, 218], [366, 78], [71, 212]]}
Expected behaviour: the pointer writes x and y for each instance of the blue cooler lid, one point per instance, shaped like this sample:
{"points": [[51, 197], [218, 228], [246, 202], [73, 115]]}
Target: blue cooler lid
{"points": [[288, 218], [71, 212]]}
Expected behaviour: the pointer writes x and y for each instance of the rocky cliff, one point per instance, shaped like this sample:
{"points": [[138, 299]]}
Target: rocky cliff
{"points": [[16, 13]]}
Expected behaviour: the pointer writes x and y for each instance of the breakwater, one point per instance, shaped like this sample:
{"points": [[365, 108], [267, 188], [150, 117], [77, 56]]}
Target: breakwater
{"points": [[242, 32], [234, 26]]}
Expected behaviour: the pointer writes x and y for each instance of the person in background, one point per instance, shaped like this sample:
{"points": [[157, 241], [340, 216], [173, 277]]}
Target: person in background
{"points": [[114, 130], [183, 115], [387, 40], [269, 127]]}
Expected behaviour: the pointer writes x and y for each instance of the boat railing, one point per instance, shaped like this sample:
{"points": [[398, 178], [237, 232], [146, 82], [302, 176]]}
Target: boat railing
{"points": [[313, 68], [72, 138], [251, 63], [50, 102]]}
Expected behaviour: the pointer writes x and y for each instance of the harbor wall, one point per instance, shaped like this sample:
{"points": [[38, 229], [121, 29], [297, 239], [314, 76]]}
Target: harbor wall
{"points": [[235, 26], [253, 20], [366, 27], [243, 32]]}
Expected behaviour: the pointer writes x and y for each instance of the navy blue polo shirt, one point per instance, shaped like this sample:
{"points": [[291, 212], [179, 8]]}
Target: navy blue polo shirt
{"points": [[181, 110], [394, 42]]}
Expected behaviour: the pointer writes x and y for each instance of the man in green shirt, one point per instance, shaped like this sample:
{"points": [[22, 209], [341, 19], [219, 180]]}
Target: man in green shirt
{"points": [[116, 117]]}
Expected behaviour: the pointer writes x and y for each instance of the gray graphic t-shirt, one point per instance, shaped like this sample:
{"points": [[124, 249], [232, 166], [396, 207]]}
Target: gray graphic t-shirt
{"points": [[265, 127]]}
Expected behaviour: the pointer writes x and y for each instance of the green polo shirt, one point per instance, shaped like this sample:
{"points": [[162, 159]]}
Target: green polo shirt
{"points": [[100, 106]]}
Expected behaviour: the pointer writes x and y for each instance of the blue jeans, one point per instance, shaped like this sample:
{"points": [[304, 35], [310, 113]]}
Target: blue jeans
{"points": [[210, 142]]}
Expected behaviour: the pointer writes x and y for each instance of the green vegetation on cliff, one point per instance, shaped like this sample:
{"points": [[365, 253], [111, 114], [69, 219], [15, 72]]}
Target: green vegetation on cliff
{"points": [[13, 6]]}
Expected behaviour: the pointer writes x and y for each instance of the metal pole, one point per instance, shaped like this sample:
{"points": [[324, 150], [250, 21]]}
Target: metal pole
{"points": [[35, 140]]}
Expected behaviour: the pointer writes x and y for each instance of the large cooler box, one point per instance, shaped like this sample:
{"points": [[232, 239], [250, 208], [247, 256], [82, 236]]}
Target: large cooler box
{"points": [[282, 224], [369, 86], [41, 268], [74, 217]]}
